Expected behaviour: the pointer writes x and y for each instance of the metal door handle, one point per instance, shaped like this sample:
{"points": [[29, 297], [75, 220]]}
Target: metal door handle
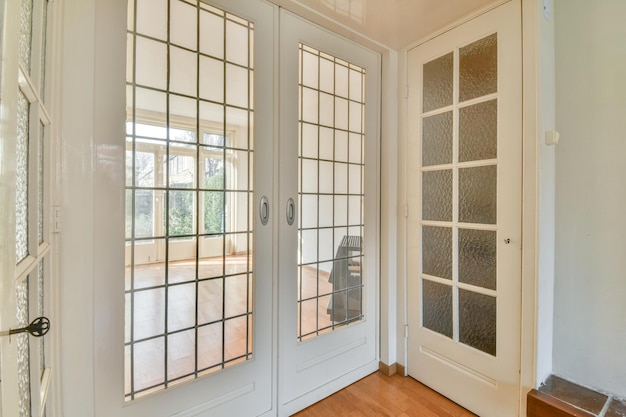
{"points": [[291, 211], [264, 210], [38, 327]]}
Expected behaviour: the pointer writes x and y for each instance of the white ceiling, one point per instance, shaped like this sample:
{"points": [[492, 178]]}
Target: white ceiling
{"points": [[394, 24]]}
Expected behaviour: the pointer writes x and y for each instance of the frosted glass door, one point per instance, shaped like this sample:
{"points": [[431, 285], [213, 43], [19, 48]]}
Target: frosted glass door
{"points": [[26, 240], [464, 234]]}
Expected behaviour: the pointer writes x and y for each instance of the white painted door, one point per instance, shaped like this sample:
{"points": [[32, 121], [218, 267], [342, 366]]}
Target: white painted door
{"points": [[196, 268], [328, 213], [464, 229], [25, 238]]}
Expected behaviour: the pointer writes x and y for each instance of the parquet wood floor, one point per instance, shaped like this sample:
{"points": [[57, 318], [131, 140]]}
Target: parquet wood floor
{"points": [[378, 395]]}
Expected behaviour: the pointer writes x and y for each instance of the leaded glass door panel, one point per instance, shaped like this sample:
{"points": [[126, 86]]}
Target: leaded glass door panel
{"points": [[25, 232], [464, 229], [328, 213]]}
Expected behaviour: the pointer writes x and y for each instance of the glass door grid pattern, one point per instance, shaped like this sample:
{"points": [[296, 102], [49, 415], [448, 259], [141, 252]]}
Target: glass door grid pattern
{"points": [[32, 199], [330, 192], [189, 163], [459, 194]]}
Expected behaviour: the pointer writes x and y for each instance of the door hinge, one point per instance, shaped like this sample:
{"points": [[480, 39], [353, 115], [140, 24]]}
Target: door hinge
{"points": [[57, 212], [406, 211], [406, 331]]}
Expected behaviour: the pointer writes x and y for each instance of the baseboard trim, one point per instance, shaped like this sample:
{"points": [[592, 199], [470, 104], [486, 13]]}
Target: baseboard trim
{"points": [[388, 370]]}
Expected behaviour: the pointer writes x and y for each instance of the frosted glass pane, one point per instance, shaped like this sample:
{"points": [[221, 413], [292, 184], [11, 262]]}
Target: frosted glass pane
{"points": [[237, 92], [211, 79], [326, 109], [21, 189], [183, 71], [341, 146], [183, 24], [437, 195], [341, 113], [25, 45], [151, 63], [181, 310], [211, 34], [341, 81], [308, 148], [437, 87], [327, 76], [478, 68], [341, 178], [309, 111], [236, 43], [478, 194], [310, 69], [41, 185], [437, 139], [477, 258], [478, 131], [437, 307], [437, 251], [477, 321], [341, 210], [356, 117], [152, 18], [23, 350]]}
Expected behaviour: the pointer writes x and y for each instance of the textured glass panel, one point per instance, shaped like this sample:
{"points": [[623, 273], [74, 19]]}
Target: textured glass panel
{"points": [[477, 321], [438, 83], [437, 307], [477, 257], [437, 195], [41, 312], [21, 191], [41, 184], [183, 24], [437, 251], [23, 351], [437, 139], [42, 82], [478, 67], [478, 194], [478, 131], [26, 22]]}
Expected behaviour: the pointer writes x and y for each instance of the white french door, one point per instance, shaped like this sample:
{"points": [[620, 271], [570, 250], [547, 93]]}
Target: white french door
{"points": [[25, 232], [464, 229], [327, 213]]}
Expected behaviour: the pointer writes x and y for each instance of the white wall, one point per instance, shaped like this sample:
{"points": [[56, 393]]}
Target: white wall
{"points": [[590, 289]]}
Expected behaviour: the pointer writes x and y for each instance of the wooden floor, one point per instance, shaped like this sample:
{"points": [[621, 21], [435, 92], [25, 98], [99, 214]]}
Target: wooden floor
{"points": [[378, 395]]}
